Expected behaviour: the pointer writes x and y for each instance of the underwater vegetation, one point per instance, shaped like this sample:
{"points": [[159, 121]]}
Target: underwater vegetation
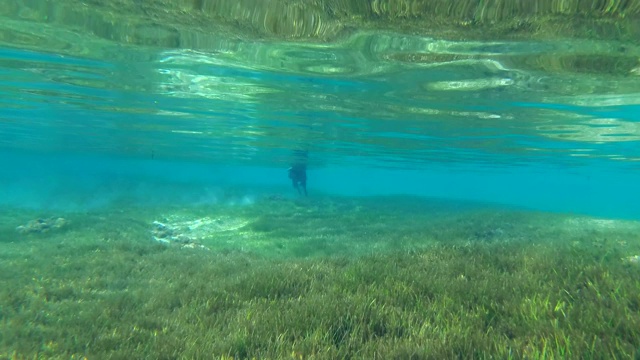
{"points": [[327, 278]]}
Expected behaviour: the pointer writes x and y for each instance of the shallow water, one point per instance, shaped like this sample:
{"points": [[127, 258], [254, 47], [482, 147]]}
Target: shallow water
{"points": [[526, 118], [476, 162]]}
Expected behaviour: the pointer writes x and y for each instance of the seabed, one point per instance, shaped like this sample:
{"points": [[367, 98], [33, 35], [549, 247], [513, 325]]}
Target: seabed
{"points": [[319, 278]]}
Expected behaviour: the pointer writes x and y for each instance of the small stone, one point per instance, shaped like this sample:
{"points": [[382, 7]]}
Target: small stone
{"points": [[42, 225], [161, 240]]}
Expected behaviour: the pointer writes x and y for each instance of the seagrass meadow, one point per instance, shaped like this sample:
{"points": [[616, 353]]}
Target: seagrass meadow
{"points": [[323, 278], [472, 169]]}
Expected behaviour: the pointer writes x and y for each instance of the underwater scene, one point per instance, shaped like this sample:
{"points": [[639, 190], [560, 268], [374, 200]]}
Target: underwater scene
{"points": [[319, 179]]}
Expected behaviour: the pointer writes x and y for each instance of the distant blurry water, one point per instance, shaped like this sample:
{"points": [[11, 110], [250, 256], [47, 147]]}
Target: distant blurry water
{"points": [[73, 182], [90, 119]]}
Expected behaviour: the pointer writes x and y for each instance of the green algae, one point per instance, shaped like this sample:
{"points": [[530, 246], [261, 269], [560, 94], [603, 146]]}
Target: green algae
{"points": [[324, 278], [264, 30], [183, 23]]}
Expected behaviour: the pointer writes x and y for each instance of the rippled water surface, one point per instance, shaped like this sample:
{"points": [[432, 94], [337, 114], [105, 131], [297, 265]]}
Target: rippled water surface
{"points": [[407, 85]]}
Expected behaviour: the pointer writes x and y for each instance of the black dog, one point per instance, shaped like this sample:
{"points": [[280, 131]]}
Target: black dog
{"points": [[298, 176], [298, 171]]}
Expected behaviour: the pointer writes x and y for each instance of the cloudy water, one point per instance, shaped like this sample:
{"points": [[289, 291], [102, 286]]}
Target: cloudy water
{"points": [[528, 106]]}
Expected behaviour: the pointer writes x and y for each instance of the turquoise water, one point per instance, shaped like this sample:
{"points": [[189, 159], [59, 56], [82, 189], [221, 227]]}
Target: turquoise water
{"points": [[94, 109], [76, 128]]}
